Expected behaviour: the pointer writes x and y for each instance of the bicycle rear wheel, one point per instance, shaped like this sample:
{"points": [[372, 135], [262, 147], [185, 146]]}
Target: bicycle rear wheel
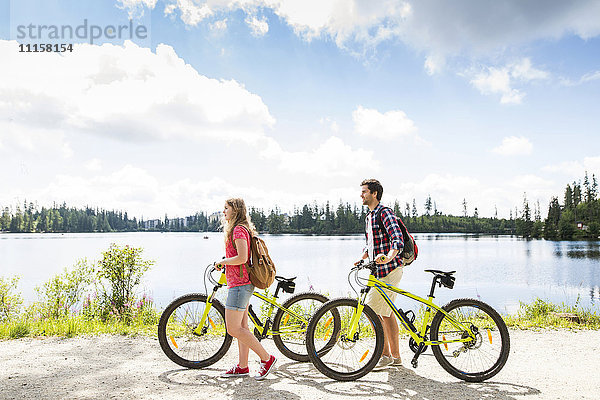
{"points": [[476, 360], [348, 357], [177, 336], [289, 330]]}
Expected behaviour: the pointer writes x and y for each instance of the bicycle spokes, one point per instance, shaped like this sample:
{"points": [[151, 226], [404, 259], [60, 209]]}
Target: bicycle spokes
{"points": [[479, 350], [185, 340], [353, 347]]}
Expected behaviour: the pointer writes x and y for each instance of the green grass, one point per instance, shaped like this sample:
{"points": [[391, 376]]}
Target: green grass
{"points": [[538, 314], [74, 326], [534, 315]]}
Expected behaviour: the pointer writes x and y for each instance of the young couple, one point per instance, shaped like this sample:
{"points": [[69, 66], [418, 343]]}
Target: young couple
{"points": [[384, 244]]}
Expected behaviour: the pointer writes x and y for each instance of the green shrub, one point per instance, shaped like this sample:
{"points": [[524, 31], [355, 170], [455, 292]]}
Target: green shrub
{"points": [[18, 330], [63, 292], [10, 302], [120, 272], [538, 309]]}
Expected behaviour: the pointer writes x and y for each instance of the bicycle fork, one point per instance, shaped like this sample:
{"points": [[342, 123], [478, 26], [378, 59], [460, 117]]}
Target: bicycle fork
{"points": [[352, 333], [202, 327]]}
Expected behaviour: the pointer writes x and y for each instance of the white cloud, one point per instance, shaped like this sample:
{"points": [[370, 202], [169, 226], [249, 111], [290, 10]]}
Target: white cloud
{"points": [[335, 127], [219, 26], [140, 193], [500, 80], [125, 92], [94, 165], [576, 169], [190, 12], [494, 81], [439, 29], [462, 27], [513, 146], [448, 190], [330, 159], [589, 77], [592, 76], [530, 181], [388, 125], [258, 27], [434, 63], [524, 71], [33, 140], [129, 188], [136, 7]]}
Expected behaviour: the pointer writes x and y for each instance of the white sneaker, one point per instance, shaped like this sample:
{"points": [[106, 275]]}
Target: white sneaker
{"points": [[383, 363], [397, 362]]}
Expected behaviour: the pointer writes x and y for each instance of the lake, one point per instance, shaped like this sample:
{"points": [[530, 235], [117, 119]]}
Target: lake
{"points": [[500, 270]]}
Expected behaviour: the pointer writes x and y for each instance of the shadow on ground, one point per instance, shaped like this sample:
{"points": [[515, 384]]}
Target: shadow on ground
{"points": [[302, 380]]}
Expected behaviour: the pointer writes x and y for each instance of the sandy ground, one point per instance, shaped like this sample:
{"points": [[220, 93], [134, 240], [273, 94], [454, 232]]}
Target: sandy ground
{"points": [[542, 365]]}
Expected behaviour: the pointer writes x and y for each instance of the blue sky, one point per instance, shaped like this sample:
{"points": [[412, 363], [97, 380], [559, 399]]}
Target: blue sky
{"points": [[286, 102]]}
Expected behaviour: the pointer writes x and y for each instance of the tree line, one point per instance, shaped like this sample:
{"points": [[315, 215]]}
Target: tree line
{"points": [[577, 218], [579, 215], [325, 219]]}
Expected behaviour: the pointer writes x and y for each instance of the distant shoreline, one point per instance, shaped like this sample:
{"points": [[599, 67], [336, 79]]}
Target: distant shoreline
{"points": [[473, 234]]}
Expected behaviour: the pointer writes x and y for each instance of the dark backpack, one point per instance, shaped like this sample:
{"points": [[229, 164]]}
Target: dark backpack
{"points": [[261, 269], [410, 251]]}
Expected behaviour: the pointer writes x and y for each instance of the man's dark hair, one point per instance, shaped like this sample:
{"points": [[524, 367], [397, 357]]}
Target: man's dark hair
{"points": [[374, 186]]}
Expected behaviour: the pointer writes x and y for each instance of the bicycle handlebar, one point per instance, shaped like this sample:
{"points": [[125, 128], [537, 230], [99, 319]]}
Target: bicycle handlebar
{"points": [[210, 268], [372, 265]]}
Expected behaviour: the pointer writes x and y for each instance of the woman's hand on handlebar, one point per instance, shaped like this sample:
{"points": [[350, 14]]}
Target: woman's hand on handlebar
{"points": [[219, 264]]}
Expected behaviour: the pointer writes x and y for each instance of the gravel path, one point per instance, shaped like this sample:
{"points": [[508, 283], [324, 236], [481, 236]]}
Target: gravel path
{"points": [[542, 365]]}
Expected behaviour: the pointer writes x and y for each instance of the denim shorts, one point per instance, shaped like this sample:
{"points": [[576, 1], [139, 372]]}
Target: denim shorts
{"points": [[238, 297]]}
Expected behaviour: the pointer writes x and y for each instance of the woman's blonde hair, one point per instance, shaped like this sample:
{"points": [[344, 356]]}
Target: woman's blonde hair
{"points": [[240, 217]]}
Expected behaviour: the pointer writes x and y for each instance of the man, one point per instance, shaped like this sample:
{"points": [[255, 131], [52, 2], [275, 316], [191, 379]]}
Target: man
{"points": [[384, 244]]}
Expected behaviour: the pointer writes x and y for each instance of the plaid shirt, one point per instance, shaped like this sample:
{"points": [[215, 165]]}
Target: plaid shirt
{"points": [[383, 243]]}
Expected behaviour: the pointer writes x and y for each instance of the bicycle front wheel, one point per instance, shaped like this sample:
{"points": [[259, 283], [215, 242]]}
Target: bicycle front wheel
{"points": [[179, 338], [478, 359], [350, 355], [289, 328]]}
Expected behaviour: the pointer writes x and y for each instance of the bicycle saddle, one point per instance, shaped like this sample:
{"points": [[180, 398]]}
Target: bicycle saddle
{"points": [[438, 272], [282, 279]]}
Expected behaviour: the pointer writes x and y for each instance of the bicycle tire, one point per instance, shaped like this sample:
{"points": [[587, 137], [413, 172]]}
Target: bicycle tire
{"points": [[176, 337], [478, 360], [346, 359], [292, 343]]}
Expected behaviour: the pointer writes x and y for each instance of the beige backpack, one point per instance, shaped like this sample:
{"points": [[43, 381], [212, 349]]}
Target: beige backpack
{"points": [[261, 268]]}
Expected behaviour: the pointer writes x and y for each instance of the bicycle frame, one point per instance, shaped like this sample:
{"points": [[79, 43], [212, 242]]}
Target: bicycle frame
{"points": [[263, 329], [419, 335]]}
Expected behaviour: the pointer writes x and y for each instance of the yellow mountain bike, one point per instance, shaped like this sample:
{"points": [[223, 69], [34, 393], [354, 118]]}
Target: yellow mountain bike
{"points": [[192, 331], [469, 338]]}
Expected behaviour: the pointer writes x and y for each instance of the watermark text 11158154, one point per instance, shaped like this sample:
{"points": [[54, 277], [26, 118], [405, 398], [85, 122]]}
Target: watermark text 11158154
{"points": [[46, 48]]}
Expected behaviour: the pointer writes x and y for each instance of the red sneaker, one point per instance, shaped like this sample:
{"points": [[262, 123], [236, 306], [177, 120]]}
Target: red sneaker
{"points": [[235, 371], [265, 368]]}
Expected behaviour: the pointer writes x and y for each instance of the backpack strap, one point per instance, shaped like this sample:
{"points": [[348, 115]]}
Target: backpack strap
{"points": [[247, 263], [380, 223], [400, 224]]}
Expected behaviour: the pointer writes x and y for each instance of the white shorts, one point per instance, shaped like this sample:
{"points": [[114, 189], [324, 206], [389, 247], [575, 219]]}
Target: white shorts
{"points": [[376, 301]]}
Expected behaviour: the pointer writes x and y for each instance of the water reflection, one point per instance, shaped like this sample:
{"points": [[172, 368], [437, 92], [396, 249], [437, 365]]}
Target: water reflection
{"points": [[586, 250], [558, 249]]}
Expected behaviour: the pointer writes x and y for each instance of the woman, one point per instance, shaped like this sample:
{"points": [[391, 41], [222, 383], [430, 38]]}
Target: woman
{"points": [[237, 228]]}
